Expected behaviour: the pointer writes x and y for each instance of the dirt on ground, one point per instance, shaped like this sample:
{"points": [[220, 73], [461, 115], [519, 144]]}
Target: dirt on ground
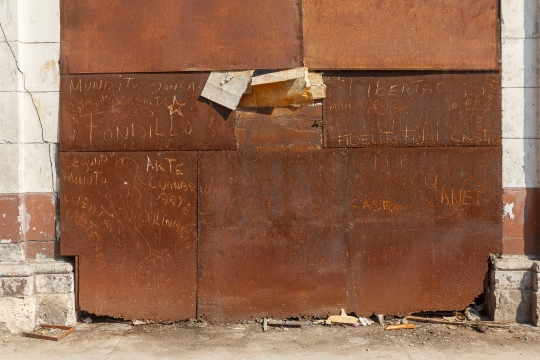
{"points": [[198, 340]]}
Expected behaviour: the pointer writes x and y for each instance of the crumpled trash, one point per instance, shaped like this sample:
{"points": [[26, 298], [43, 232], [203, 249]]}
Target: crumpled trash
{"points": [[364, 321], [472, 314]]}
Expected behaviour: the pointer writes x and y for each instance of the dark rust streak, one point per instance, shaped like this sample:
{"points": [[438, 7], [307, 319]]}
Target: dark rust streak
{"points": [[271, 238], [280, 128]]}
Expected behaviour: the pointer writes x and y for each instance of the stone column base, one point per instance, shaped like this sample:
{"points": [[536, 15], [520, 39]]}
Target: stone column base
{"points": [[36, 292], [513, 289]]}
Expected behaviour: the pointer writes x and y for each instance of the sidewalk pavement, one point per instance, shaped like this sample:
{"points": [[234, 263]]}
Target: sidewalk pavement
{"points": [[104, 341]]}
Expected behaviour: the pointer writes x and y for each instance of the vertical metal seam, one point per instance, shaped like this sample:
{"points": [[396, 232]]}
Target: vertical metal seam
{"points": [[300, 6], [197, 240]]}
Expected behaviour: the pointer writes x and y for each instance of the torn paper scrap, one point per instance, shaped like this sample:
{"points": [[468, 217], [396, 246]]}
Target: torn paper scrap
{"points": [[227, 87]]}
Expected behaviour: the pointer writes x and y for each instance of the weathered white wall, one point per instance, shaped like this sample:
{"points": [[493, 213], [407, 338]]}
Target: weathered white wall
{"points": [[34, 287], [29, 94], [520, 34]]}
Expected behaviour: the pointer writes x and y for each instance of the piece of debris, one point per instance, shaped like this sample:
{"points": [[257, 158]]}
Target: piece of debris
{"points": [[464, 323], [87, 320], [318, 89], [139, 322], [380, 319], [265, 325], [227, 87], [284, 324], [288, 88], [237, 328], [281, 76], [451, 318], [6, 340], [400, 327], [342, 319], [404, 321], [481, 326], [50, 332], [364, 321], [472, 314]]}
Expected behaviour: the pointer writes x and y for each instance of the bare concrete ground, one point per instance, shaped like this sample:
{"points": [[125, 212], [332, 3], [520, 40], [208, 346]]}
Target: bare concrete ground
{"points": [[247, 341]]}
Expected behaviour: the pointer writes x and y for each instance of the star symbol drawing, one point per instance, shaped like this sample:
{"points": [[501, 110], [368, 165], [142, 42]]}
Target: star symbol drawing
{"points": [[176, 107]]}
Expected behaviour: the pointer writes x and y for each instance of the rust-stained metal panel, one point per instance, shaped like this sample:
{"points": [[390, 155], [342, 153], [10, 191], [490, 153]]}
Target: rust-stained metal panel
{"points": [[394, 109], [421, 223], [271, 239], [284, 128], [131, 218], [390, 34], [108, 112], [179, 35]]}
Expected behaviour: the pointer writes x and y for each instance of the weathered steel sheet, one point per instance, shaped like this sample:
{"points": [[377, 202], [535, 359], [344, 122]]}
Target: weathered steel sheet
{"points": [[271, 239], [108, 112], [280, 128], [179, 35], [131, 218], [381, 109], [421, 223], [390, 34]]}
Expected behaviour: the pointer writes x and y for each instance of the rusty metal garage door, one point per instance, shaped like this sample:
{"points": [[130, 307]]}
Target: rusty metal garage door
{"points": [[387, 198]]}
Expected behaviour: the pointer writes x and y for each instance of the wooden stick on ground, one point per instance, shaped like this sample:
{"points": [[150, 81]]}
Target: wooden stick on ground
{"points": [[464, 323], [400, 327]]}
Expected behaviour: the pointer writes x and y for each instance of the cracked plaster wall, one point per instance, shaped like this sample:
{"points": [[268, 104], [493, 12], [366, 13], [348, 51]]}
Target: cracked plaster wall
{"points": [[29, 95], [29, 103]]}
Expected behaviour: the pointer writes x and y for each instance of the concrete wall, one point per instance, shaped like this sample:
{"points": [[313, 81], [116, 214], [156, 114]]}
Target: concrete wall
{"points": [[521, 134], [34, 286], [513, 282]]}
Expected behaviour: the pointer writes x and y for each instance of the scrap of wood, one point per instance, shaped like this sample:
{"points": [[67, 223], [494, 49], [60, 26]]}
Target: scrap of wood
{"points": [[300, 88], [464, 323], [291, 93], [400, 327], [227, 87], [318, 89], [68, 330], [342, 319], [287, 324], [281, 76]]}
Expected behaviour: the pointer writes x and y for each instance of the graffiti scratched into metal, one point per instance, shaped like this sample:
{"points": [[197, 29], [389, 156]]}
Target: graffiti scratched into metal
{"points": [[367, 109], [420, 225], [387, 199], [408, 35], [132, 220], [327, 220], [142, 112]]}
